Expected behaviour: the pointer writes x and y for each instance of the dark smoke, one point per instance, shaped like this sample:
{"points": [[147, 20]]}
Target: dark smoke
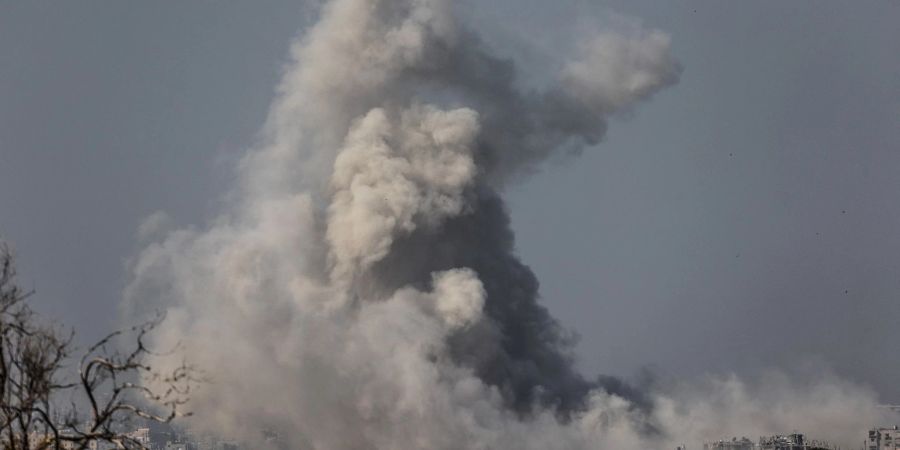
{"points": [[362, 291]]}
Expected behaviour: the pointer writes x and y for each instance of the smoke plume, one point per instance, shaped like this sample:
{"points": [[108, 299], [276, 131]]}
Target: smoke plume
{"points": [[361, 290]]}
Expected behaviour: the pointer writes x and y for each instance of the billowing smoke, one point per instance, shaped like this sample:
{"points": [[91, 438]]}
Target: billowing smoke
{"points": [[361, 290]]}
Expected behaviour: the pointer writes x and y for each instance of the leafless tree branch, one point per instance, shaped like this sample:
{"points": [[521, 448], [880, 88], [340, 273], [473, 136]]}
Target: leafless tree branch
{"points": [[117, 386]]}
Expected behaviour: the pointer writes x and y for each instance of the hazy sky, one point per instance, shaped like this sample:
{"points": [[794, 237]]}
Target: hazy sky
{"points": [[745, 218]]}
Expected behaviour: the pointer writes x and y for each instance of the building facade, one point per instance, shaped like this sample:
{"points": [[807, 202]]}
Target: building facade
{"points": [[733, 444], [794, 441], [883, 439]]}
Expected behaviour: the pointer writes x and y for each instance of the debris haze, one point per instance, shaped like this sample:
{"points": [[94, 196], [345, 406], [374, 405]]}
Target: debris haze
{"points": [[360, 288]]}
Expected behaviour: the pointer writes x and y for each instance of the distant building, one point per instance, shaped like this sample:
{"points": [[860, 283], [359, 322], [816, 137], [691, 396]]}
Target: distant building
{"points": [[45, 440], [794, 441], [176, 446], [733, 444], [102, 445], [141, 436], [883, 439]]}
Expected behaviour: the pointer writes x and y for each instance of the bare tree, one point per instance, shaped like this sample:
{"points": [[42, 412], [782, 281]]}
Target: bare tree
{"points": [[117, 387]]}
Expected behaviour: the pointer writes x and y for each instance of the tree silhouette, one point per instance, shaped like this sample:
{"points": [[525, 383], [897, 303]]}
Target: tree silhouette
{"points": [[116, 386]]}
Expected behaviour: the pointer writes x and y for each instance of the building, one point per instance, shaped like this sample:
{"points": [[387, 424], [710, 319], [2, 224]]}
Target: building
{"points": [[733, 444], [46, 440], [176, 446], [141, 436], [794, 441], [883, 439]]}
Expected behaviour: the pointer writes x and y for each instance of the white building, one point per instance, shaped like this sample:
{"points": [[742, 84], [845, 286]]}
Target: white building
{"points": [[884, 439]]}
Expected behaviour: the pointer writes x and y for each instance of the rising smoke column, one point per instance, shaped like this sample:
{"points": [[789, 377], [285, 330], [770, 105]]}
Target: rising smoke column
{"points": [[361, 290], [366, 271]]}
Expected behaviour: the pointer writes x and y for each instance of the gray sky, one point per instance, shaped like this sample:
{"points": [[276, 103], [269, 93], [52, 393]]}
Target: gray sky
{"points": [[745, 218]]}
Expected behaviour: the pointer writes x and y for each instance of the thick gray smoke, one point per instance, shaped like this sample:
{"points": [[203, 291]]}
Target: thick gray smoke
{"points": [[361, 291]]}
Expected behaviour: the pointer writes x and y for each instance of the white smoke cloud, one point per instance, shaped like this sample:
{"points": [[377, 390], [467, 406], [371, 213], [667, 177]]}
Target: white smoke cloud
{"points": [[613, 70], [360, 291], [390, 180], [821, 405], [153, 225]]}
